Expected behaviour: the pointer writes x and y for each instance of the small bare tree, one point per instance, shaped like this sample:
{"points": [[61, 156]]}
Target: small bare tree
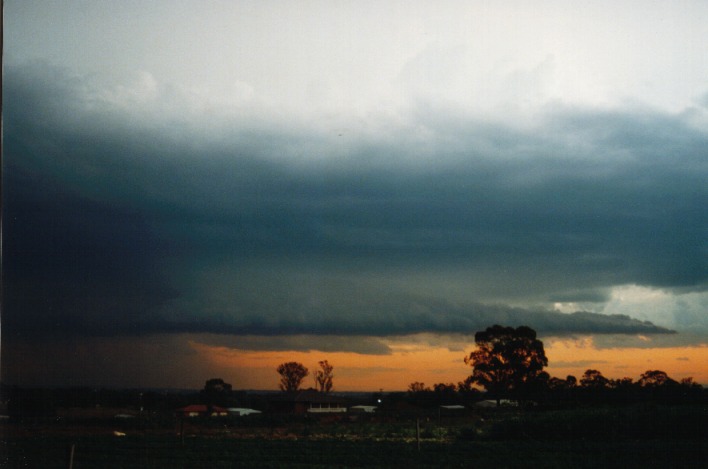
{"points": [[324, 376]]}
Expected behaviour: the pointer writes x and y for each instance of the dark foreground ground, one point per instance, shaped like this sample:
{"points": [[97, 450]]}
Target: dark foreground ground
{"points": [[605, 437]]}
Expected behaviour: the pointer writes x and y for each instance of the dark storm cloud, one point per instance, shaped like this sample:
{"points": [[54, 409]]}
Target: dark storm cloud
{"points": [[73, 265], [145, 220], [391, 322], [303, 342]]}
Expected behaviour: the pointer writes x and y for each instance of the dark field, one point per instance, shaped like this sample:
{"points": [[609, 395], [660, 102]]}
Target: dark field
{"points": [[590, 437]]}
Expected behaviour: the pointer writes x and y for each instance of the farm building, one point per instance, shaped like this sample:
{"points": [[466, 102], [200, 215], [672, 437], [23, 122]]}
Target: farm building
{"points": [[201, 410], [307, 401], [490, 403]]}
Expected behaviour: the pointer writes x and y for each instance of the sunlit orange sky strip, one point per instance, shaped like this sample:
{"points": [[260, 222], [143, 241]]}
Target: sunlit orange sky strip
{"points": [[202, 189], [410, 362]]}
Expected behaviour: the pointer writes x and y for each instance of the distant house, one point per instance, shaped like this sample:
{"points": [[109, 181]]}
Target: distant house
{"points": [[489, 403], [307, 401], [201, 410]]}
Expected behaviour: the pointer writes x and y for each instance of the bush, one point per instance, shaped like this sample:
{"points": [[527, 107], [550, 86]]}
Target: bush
{"points": [[597, 424]]}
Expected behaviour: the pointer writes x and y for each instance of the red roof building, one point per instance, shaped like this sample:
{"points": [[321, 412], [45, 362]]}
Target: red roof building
{"points": [[201, 410]]}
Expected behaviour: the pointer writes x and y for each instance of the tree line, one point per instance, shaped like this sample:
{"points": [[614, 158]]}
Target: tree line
{"points": [[293, 373], [508, 363]]}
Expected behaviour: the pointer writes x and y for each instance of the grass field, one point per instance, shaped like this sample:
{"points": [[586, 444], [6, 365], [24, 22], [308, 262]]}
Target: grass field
{"points": [[609, 437]]}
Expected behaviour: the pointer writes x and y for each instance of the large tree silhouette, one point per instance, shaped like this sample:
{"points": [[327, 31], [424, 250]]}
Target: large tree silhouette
{"points": [[507, 360], [291, 375]]}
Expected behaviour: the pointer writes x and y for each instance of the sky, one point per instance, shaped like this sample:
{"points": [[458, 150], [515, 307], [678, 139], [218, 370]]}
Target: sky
{"points": [[200, 189]]}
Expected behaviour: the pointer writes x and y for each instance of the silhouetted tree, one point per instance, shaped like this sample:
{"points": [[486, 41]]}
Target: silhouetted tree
{"points": [[593, 379], [561, 391], [291, 375], [417, 386], [555, 384], [324, 376], [444, 387], [622, 383], [624, 391], [421, 395], [690, 383], [507, 360], [446, 393], [217, 385], [216, 392], [466, 385], [689, 389], [655, 378]]}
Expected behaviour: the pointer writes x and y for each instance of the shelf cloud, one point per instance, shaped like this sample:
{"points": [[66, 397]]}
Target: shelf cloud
{"points": [[118, 231], [267, 176]]}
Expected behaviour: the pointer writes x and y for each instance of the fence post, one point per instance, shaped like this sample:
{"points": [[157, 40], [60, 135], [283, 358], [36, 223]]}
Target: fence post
{"points": [[71, 456], [417, 432]]}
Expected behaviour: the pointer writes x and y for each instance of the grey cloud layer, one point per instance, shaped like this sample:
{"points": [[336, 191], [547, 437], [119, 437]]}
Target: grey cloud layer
{"points": [[123, 221]]}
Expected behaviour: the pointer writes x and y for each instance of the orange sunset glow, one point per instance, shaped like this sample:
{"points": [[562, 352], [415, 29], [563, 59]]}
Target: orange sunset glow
{"points": [[412, 361]]}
